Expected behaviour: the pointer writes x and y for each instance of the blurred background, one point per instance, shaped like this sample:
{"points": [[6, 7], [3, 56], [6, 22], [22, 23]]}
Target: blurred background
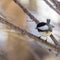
{"points": [[20, 47]]}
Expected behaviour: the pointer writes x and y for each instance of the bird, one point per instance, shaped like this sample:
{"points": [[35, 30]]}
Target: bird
{"points": [[45, 29]]}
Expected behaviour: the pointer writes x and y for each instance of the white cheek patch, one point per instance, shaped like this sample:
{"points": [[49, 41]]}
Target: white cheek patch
{"points": [[43, 27]]}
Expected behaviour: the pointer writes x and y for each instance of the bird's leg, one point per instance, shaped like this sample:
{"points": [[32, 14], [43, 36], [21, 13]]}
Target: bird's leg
{"points": [[39, 37], [46, 39]]}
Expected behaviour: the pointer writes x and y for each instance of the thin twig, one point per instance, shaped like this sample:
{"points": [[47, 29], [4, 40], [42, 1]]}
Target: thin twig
{"points": [[56, 4], [5, 21], [33, 18], [52, 7]]}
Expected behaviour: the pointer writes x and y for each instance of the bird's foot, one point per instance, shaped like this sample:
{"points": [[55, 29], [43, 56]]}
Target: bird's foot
{"points": [[39, 37], [46, 40]]}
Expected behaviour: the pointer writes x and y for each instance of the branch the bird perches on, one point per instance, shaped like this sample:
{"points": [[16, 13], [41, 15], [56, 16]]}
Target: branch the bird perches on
{"points": [[15, 27], [33, 18]]}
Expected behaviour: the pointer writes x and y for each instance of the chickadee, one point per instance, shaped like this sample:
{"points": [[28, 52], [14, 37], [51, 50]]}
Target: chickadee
{"points": [[45, 28]]}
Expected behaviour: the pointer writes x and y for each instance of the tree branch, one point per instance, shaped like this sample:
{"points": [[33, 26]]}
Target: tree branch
{"points": [[52, 7], [13, 26], [57, 4], [33, 18]]}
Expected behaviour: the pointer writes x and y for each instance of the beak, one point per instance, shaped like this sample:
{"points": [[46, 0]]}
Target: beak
{"points": [[36, 28], [52, 26]]}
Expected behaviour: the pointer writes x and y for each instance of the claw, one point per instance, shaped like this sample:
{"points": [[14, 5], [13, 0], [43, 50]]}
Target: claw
{"points": [[39, 37], [46, 40]]}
